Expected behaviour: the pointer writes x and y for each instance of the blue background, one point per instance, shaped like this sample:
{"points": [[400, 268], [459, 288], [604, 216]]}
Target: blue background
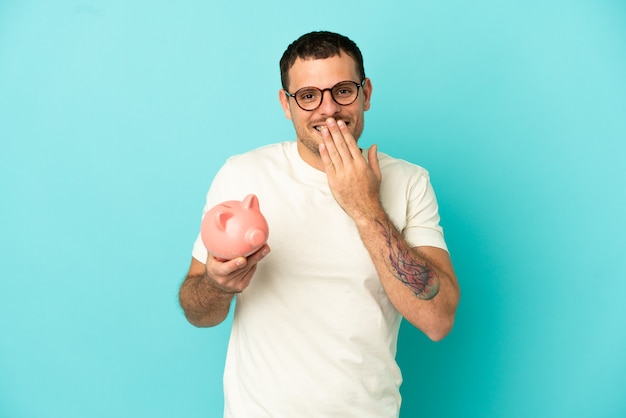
{"points": [[115, 115]]}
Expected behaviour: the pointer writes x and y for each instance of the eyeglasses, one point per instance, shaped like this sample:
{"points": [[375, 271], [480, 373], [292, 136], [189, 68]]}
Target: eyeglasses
{"points": [[310, 98]]}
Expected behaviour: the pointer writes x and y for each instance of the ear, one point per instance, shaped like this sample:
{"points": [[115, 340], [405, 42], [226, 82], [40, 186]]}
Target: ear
{"points": [[284, 102], [367, 94], [251, 202], [221, 218]]}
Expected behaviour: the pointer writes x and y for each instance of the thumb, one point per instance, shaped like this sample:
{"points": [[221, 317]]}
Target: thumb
{"points": [[229, 266]]}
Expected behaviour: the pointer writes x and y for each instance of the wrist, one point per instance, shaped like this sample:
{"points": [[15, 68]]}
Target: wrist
{"points": [[369, 216], [215, 288]]}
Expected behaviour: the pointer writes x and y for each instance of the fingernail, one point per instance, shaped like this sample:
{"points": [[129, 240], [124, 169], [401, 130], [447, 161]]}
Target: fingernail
{"points": [[265, 252], [341, 124], [331, 121], [240, 262]]}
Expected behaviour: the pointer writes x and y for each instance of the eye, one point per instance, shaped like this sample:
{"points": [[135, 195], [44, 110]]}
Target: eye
{"points": [[307, 95], [344, 90]]}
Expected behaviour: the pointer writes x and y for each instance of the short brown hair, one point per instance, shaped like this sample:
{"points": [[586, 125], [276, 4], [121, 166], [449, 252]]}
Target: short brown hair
{"points": [[319, 45]]}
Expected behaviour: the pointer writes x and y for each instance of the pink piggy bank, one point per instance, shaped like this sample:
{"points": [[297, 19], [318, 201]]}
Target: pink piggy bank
{"points": [[233, 228]]}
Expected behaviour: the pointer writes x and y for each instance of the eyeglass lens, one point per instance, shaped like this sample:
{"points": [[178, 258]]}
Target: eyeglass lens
{"points": [[344, 93]]}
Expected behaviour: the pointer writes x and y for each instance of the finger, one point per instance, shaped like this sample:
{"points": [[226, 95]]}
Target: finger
{"points": [[244, 281], [372, 157], [350, 142], [326, 162], [337, 135], [259, 255], [231, 276], [221, 267], [328, 151]]}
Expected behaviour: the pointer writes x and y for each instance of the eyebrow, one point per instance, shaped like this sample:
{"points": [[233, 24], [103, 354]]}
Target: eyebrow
{"points": [[327, 88]]}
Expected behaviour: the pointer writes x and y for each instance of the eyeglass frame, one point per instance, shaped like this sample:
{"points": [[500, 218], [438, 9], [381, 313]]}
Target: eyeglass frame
{"points": [[322, 91]]}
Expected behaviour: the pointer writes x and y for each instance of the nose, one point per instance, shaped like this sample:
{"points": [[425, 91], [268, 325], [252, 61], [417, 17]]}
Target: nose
{"points": [[329, 106]]}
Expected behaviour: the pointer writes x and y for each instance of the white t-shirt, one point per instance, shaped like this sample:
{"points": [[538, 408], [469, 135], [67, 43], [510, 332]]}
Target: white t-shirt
{"points": [[314, 335]]}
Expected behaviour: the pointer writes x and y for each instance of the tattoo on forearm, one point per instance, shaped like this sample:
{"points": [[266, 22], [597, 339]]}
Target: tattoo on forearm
{"points": [[417, 275]]}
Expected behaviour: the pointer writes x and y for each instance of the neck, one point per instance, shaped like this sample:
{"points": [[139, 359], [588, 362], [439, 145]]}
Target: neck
{"points": [[310, 156]]}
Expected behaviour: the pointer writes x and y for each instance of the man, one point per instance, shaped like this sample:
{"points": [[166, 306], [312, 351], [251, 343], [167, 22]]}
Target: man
{"points": [[355, 246]]}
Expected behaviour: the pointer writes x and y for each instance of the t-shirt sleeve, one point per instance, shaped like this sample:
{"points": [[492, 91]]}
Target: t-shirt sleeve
{"points": [[423, 228]]}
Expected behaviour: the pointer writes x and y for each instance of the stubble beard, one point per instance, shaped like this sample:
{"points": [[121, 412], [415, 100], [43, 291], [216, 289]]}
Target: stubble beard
{"points": [[312, 140]]}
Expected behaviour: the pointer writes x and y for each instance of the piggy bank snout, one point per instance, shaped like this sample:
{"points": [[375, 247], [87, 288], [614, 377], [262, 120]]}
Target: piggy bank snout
{"points": [[256, 237]]}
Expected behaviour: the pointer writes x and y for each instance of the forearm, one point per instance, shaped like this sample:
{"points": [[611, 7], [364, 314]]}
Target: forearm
{"points": [[421, 287], [420, 284], [203, 304], [402, 262]]}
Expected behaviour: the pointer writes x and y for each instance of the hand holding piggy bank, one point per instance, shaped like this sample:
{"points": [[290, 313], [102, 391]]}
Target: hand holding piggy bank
{"points": [[232, 229]]}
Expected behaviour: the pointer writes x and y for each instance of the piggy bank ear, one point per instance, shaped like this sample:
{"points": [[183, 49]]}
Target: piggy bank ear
{"points": [[251, 202], [221, 218]]}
